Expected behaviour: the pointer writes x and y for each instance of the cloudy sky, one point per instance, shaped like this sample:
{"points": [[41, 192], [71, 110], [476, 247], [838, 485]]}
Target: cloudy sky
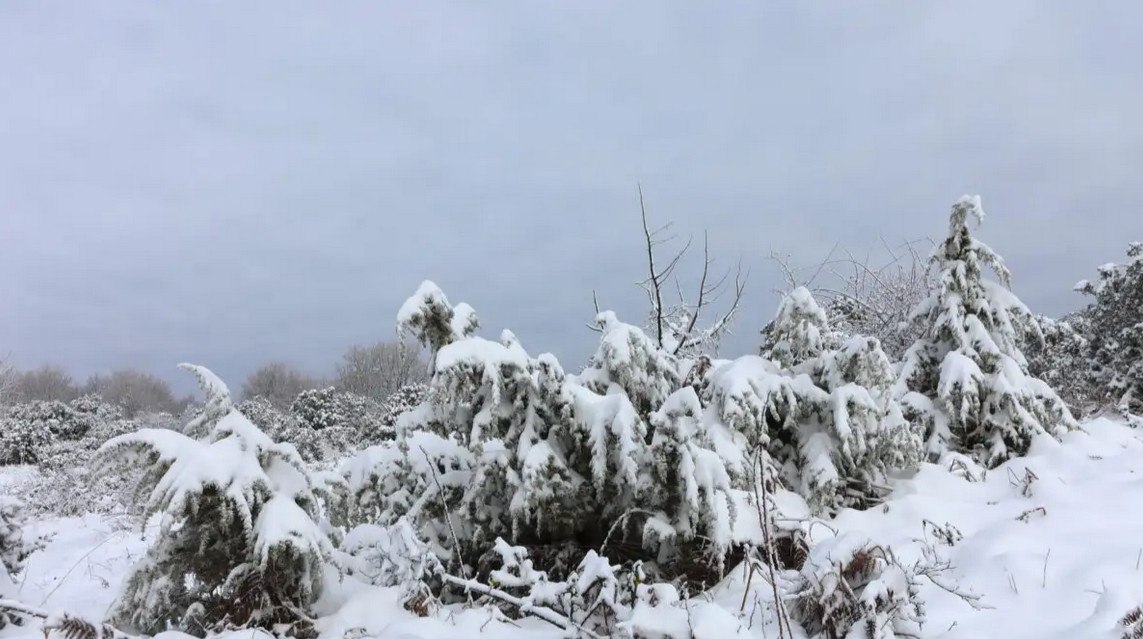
{"points": [[232, 183]]}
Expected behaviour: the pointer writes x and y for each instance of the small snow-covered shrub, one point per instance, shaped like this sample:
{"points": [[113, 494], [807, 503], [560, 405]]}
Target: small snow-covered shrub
{"points": [[15, 547], [93, 412], [314, 445], [400, 402], [265, 416], [328, 408], [324, 445], [857, 592], [54, 416], [822, 413], [23, 442], [239, 541], [66, 483]]}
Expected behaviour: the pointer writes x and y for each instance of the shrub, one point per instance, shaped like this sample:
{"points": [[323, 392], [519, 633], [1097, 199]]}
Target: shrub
{"points": [[23, 442], [54, 416]]}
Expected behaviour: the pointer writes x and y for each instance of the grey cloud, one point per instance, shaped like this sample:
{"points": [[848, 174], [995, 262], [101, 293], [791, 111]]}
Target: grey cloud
{"points": [[237, 184]]}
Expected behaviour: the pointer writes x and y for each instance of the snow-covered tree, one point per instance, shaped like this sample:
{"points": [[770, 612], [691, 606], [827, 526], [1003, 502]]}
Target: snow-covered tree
{"points": [[631, 362], [378, 370], [1063, 360], [965, 380], [821, 411], [277, 383], [508, 445], [690, 483], [239, 544], [1115, 331], [799, 332]]}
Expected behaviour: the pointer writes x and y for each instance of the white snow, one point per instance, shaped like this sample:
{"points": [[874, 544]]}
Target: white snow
{"points": [[1052, 542], [427, 294]]}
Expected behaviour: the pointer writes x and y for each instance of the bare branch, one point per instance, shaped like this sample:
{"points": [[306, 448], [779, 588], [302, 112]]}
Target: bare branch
{"points": [[654, 280]]}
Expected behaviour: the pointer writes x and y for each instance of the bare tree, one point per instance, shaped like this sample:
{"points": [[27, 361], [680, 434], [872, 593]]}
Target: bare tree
{"points": [[46, 383], [8, 375], [675, 324], [278, 383], [135, 392], [379, 370], [867, 295]]}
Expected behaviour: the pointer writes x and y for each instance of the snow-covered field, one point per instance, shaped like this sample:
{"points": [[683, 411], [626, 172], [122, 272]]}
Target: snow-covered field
{"points": [[1052, 543]]}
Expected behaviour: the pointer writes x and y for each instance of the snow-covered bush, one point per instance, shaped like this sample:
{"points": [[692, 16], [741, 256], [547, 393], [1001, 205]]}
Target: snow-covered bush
{"points": [[402, 401], [265, 416], [630, 455], [239, 544], [314, 444], [800, 332], [23, 442], [54, 416], [1115, 330], [65, 482], [857, 592], [966, 380], [328, 408], [689, 481], [93, 413], [15, 547], [630, 361], [507, 445], [822, 413], [1063, 361]]}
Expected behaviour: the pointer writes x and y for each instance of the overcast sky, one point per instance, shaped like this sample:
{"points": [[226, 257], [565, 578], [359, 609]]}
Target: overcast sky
{"points": [[231, 183]]}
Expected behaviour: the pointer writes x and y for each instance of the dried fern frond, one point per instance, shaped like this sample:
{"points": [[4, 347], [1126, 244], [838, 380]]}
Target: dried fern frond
{"points": [[65, 626]]}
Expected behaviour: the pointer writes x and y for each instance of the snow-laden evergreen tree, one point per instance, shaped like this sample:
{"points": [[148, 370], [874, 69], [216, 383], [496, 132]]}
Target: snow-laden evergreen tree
{"points": [[689, 480], [877, 440], [821, 411], [1064, 361], [965, 380], [800, 331], [630, 360], [239, 544], [509, 445], [470, 445], [1115, 330]]}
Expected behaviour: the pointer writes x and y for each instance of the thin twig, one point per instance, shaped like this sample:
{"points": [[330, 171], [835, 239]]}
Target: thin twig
{"points": [[447, 514]]}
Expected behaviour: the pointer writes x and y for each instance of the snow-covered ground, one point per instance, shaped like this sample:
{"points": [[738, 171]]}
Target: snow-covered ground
{"points": [[1052, 542]]}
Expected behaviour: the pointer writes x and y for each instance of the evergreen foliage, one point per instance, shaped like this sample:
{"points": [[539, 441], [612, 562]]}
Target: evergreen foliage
{"points": [[966, 380], [1115, 330], [238, 544]]}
